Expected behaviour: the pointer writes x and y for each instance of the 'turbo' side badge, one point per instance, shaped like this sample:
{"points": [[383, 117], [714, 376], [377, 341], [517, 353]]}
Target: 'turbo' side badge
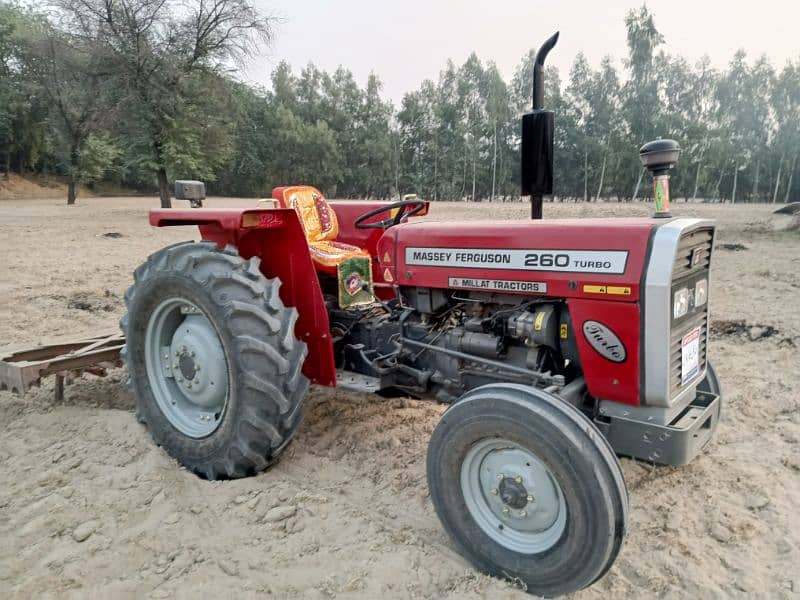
{"points": [[604, 341]]}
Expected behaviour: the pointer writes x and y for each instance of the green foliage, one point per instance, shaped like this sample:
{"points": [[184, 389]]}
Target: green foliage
{"points": [[146, 100], [99, 156]]}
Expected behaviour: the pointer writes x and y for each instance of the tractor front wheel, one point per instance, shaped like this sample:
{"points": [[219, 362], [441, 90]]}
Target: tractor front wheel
{"points": [[213, 359], [528, 488]]}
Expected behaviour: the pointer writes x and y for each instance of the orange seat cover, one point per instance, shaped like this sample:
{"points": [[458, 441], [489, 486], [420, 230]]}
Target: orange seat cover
{"points": [[319, 223]]}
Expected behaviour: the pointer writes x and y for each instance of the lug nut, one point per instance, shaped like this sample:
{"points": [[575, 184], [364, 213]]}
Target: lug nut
{"points": [[505, 510], [518, 479], [494, 491], [530, 498], [192, 355], [523, 514], [501, 476]]}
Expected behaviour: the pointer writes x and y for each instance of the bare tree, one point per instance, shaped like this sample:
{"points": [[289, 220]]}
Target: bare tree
{"points": [[65, 72], [157, 51]]}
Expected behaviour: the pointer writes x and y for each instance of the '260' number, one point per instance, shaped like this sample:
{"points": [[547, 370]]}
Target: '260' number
{"points": [[546, 260]]}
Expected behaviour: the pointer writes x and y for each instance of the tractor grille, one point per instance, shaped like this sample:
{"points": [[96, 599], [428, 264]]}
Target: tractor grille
{"points": [[692, 263], [698, 239]]}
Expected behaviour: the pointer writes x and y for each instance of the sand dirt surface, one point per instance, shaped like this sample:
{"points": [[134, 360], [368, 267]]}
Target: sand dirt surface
{"points": [[89, 507]]}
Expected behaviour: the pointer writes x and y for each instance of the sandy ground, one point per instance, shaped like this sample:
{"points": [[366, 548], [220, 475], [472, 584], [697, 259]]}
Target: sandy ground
{"points": [[89, 507]]}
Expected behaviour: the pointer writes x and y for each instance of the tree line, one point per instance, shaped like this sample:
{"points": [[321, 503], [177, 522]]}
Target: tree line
{"points": [[140, 92]]}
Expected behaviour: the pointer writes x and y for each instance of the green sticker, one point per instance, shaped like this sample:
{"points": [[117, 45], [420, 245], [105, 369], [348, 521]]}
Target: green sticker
{"points": [[662, 195], [355, 282], [659, 197]]}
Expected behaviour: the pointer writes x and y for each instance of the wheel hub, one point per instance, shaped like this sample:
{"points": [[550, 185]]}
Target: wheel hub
{"points": [[186, 367], [199, 366], [512, 496], [513, 493]]}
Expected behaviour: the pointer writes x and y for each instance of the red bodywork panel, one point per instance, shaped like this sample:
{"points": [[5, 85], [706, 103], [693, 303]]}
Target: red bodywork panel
{"points": [[278, 239], [611, 298]]}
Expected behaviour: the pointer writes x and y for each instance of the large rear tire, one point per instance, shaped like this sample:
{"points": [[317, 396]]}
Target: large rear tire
{"points": [[528, 488], [213, 359]]}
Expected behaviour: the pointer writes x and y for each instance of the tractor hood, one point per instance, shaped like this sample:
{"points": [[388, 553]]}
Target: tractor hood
{"points": [[570, 258]]}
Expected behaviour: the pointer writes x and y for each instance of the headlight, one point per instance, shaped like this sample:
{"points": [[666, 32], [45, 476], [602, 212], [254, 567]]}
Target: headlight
{"points": [[701, 292], [680, 305]]}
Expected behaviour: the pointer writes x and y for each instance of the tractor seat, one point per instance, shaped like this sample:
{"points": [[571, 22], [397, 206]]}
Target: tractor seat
{"points": [[319, 224]]}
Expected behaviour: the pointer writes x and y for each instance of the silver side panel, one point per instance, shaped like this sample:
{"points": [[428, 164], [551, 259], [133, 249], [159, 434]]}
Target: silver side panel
{"points": [[657, 313]]}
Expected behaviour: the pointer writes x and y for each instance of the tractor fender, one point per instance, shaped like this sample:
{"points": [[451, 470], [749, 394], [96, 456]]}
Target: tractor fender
{"points": [[277, 238]]}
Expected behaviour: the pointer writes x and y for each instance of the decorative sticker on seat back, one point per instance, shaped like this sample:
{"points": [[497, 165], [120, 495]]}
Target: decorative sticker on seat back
{"points": [[325, 215], [316, 216], [571, 261]]}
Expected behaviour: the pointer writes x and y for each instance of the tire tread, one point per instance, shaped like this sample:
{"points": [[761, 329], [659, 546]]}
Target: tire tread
{"points": [[271, 396]]}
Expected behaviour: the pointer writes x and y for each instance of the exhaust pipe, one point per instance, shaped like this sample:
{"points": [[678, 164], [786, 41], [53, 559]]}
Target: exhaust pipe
{"points": [[538, 71], [537, 138]]}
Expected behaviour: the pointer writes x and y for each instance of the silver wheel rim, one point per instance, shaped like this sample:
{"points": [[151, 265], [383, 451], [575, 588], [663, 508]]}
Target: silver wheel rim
{"points": [[186, 367], [513, 496]]}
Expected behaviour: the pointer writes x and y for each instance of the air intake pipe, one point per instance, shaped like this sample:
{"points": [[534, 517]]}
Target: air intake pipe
{"points": [[658, 157]]}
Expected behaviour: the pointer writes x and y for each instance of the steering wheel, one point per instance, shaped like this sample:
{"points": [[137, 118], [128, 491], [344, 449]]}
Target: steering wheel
{"points": [[402, 213]]}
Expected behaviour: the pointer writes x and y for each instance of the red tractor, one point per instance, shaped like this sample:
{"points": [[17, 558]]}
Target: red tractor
{"points": [[558, 344]]}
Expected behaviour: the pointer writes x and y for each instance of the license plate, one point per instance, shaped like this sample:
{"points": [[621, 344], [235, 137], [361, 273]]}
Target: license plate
{"points": [[690, 355]]}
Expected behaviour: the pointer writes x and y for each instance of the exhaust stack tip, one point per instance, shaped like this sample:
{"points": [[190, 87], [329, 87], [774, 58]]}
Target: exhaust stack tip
{"points": [[538, 63], [541, 54]]}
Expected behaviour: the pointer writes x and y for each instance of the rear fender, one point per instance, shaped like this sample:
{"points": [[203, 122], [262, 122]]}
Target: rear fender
{"points": [[277, 238]]}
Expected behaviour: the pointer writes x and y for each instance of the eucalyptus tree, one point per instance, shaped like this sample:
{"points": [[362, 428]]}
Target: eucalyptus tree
{"points": [[640, 92], [785, 102], [449, 135], [418, 150]]}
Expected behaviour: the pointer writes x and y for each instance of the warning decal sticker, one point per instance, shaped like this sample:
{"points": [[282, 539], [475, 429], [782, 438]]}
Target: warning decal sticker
{"points": [[572, 261]]}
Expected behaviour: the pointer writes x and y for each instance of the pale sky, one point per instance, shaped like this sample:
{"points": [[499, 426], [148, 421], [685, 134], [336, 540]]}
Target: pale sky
{"points": [[407, 41]]}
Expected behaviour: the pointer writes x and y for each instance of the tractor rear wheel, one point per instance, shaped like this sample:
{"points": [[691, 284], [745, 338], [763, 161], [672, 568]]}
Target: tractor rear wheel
{"points": [[527, 488], [213, 359]]}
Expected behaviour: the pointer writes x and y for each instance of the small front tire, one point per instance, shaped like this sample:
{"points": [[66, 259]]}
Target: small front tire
{"points": [[528, 488]]}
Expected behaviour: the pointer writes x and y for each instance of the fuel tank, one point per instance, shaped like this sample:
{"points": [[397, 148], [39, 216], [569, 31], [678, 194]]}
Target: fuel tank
{"points": [[564, 258]]}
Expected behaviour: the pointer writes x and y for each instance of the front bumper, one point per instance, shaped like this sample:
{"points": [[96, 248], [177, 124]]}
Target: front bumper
{"points": [[674, 444]]}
